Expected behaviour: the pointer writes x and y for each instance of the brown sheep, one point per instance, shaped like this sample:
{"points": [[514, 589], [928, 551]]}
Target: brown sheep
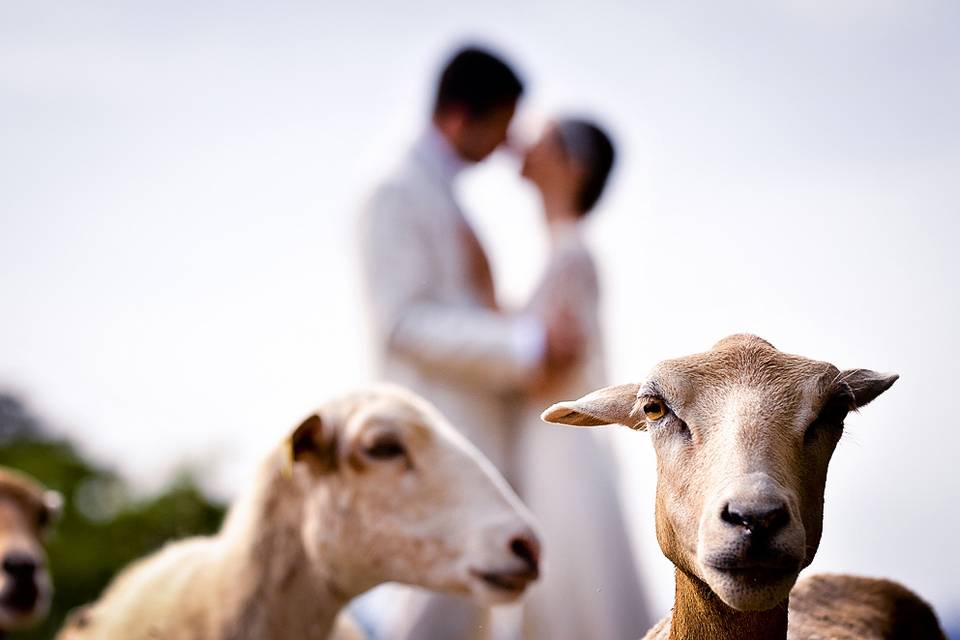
{"points": [[743, 435], [26, 513]]}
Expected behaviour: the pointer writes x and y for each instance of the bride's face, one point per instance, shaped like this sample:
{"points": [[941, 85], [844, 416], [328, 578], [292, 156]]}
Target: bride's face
{"points": [[547, 166]]}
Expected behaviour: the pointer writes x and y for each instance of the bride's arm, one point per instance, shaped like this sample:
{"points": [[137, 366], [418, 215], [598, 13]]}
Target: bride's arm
{"points": [[566, 301]]}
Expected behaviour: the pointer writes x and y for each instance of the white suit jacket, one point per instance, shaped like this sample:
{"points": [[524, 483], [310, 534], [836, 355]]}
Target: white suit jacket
{"points": [[434, 330]]}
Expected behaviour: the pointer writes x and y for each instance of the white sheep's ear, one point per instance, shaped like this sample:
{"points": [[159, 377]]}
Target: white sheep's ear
{"points": [[866, 384], [314, 443], [50, 509], [610, 405]]}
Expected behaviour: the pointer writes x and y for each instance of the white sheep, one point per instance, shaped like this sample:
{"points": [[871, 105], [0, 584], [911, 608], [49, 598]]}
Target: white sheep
{"points": [[743, 436], [26, 513], [373, 487]]}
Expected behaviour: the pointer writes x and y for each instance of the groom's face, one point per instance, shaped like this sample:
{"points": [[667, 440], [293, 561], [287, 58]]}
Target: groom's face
{"points": [[480, 135]]}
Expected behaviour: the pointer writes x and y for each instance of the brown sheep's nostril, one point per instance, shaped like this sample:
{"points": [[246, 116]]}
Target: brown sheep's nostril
{"points": [[731, 516], [526, 549], [761, 520]]}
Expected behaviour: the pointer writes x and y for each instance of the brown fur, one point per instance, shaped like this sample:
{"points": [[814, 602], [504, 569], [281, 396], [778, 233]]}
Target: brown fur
{"points": [[699, 613], [843, 607], [26, 512], [749, 430], [821, 607]]}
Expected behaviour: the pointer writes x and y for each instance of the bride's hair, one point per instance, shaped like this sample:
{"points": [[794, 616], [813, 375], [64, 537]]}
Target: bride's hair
{"points": [[589, 146]]}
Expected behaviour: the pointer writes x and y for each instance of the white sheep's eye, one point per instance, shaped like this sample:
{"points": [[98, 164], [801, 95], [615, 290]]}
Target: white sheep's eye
{"points": [[654, 408], [385, 448]]}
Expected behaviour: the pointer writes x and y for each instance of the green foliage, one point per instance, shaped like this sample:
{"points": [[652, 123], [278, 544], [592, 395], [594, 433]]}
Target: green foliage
{"points": [[102, 529]]}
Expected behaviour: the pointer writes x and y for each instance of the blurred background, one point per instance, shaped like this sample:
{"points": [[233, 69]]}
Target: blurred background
{"points": [[179, 189]]}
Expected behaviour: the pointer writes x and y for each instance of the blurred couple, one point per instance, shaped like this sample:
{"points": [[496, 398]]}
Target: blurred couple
{"points": [[440, 331]]}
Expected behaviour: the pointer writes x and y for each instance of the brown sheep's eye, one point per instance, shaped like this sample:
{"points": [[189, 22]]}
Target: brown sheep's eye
{"points": [[386, 449], [654, 409]]}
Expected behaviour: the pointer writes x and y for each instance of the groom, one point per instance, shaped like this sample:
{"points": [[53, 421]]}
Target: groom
{"points": [[429, 285]]}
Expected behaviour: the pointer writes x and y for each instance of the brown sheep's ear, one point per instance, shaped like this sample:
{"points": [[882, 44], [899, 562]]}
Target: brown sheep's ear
{"points": [[610, 405], [867, 385], [314, 443]]}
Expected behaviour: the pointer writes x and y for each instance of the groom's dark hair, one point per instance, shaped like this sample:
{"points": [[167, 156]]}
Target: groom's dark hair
{"points": [[477, 81]]}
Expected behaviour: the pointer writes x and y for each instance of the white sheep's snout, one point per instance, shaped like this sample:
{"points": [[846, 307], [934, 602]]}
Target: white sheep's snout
{"points": [[503, 560], [497, 535]]}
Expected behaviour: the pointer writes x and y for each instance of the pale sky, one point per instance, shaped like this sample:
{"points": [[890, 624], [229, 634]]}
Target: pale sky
{"points": [[180, 184]]}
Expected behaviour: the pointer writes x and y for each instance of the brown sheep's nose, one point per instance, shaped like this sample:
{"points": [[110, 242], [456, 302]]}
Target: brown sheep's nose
{"points": [[527, 548], [20, 566], [759, 519]]}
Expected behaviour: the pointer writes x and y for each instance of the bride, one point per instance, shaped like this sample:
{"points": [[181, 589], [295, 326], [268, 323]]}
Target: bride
{"points": [[590, 585]]}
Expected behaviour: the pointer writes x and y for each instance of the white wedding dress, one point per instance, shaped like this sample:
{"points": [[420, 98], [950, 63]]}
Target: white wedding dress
{"points": [[568, 477]]}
